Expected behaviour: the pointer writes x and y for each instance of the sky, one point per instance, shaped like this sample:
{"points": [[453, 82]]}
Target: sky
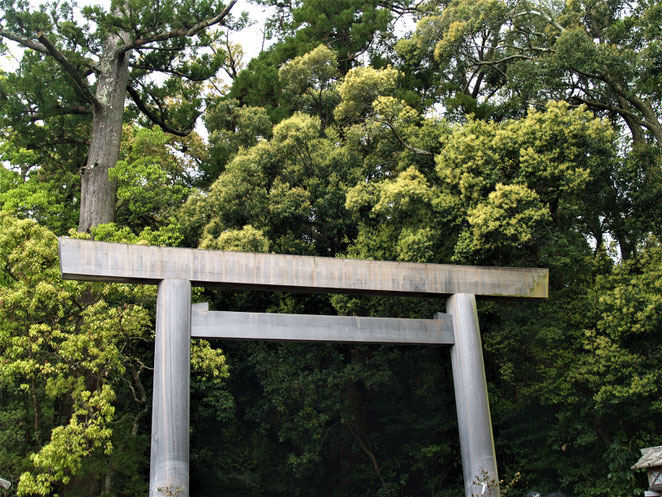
{"points": [[251, 37]]}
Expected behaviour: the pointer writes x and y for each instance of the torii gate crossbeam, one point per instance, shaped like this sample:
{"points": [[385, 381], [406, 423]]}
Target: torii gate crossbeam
{"points": [[175, 270]]}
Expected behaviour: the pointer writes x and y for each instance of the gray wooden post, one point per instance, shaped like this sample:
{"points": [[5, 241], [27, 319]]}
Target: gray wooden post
{"points": [[169, 463], [473, 409]]}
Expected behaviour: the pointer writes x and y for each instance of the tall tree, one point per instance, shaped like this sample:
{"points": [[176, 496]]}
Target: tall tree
{"points": [[605, 55], [107, 54], [352, 28]]}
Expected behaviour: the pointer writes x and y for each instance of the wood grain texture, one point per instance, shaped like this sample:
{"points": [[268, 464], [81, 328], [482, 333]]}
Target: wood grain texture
{"points": [[101, 261]]}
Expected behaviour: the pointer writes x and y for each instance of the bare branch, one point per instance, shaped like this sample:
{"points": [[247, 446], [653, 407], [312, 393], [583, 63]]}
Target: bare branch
{"points": [[39, 47], [176, 33], [70, 69], [26, 42], [546, 16], [152, 116], [502, 60], [232, 67]]}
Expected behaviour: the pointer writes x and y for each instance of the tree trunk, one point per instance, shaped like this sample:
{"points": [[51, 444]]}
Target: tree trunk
{"points": [[98, 193]]}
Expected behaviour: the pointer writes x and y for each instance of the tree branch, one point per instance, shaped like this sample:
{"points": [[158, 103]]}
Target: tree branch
{"points": [[180, 32], [401, 9], [59, 141], [71, 70], [59, 111], [231, 67], [480, 62], [26, 42], [406, 145], [650, 119], [38, 47], [161, 49], [364, 443], [152, 116], [625, 113], [547, 17]]}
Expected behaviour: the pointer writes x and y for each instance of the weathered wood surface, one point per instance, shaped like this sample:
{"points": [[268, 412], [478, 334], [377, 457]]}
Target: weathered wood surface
{"points": [[101, 261], [309, 328], [169, 460]]}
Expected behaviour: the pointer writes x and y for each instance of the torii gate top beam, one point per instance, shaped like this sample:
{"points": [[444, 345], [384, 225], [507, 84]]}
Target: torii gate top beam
{"points": [[114, 262]]}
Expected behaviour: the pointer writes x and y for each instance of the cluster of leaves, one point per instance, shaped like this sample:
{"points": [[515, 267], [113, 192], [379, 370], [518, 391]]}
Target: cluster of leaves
{"points": [[74, 373], [62, 351]]}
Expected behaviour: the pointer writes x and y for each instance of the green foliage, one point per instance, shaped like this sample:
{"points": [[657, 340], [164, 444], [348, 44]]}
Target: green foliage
{"points": [[495, 58], [231, 127], [512, 218], [623, 349], [72, 353], [56, 351], [553, 168], [289, 189], [151, 179], [313, 153], [360, 88], [95, 57], [315, 70], [349, 27], [31, 198], [247, 239], [307, 82], [45, 126], [70, 444]]}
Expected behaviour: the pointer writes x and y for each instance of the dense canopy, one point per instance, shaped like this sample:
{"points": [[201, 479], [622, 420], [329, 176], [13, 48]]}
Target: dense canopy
{"points": [[493, 132]]}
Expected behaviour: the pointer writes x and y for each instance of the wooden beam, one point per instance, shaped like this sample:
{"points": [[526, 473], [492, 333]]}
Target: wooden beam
{"points": [[309, 328], [101, 261]]}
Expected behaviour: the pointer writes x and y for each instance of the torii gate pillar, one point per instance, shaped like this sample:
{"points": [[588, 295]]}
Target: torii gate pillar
{"points": [[169, 461], [473, 409]]}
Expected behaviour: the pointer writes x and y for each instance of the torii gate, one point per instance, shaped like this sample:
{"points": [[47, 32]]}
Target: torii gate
{"points": [[174, 270]]}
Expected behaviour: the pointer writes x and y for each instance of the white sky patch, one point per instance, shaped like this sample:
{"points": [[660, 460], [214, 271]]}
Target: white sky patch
{"points": [[252, 38]]}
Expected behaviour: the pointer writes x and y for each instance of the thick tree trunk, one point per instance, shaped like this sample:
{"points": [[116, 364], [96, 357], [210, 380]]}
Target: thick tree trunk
{"points": [[98, 193]]}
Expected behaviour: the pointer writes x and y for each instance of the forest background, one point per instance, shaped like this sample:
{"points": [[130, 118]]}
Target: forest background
{"points": [[512, 133]]}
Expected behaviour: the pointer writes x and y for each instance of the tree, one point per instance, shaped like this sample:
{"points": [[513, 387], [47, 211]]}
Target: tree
{"points": [[290, 187], [351, 28], [73, 355], [497, 57], [128, 44], [153, 176], [313, 154]]}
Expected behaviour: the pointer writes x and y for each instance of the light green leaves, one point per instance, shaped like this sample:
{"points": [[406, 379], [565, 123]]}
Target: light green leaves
{"points": [[246, 239], [151, 178], [360, 88], [312, 72], [68, 351], [512, 219]]}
